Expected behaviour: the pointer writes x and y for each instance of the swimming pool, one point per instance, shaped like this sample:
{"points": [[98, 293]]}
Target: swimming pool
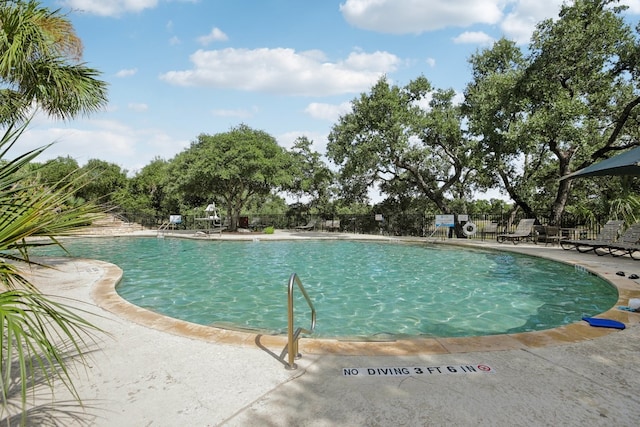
{"points": [[360, 289]]}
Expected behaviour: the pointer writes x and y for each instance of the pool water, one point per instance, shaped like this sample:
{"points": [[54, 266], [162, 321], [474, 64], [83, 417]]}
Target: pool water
{"points": [[370, 290]]}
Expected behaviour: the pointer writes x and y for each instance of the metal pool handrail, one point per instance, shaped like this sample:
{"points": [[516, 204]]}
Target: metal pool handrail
{"points": [[293, 336]]}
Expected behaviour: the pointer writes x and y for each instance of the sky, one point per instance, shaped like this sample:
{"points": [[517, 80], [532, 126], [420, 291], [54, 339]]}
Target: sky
{"points": [[180, 68]]}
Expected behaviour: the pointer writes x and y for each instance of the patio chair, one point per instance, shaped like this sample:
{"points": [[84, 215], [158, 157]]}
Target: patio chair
{"points": [[310, 225], [607, 236], [332, 225], [524, 231], [628, 244], [548, 234]]}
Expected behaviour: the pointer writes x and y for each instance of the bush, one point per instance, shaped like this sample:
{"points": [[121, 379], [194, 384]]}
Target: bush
{"points": [[268, 230]]}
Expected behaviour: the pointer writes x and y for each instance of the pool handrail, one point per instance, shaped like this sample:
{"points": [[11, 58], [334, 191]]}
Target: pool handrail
{"points": [[292, 342]]}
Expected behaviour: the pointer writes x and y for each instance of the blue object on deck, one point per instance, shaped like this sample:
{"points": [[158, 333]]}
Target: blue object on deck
{"points": [[604, 323]]}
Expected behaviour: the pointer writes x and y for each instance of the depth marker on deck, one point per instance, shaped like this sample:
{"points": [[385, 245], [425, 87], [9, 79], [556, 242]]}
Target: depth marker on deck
{"points": [[404, 371]]}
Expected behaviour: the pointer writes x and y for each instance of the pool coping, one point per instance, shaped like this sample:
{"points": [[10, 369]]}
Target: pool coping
{"points": [[104, 294]]}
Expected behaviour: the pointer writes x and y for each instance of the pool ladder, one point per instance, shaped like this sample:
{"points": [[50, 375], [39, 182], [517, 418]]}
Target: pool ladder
{"points": [[291, 349]]}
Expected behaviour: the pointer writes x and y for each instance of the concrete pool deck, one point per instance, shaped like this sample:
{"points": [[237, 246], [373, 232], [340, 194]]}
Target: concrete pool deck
{"points": [[153, 371]]}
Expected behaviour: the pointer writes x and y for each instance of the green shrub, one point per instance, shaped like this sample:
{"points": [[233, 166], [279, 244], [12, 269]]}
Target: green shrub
{"points": [[268, 230]]}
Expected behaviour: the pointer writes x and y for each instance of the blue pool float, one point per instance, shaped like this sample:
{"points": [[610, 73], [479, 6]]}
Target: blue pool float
{"points": [[604, 323]]}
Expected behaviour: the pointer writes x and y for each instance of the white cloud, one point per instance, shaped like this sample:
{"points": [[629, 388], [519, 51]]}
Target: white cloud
{"points": [[283, 71], [138, 107], [318, 141], [110, 7], [431, 62], [516, 19], [634, 5], [115, 7], [521, 21], [328, 112], [130, 148], [240, 113], [127, 72], [174, 41], [418, 16], [473, 37], [216, 35]]}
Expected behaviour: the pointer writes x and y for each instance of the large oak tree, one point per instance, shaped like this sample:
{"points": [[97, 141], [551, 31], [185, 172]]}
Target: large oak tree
{"points": [[231, 167], [570, 100], [406, 140]]}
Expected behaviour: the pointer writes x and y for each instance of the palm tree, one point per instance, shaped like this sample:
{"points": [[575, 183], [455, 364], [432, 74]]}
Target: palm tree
{"points": [[38, 333], [39, 63]]}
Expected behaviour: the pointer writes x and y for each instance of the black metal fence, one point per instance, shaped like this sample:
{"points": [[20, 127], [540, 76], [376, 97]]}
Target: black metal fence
{"points": [[403, 224]]}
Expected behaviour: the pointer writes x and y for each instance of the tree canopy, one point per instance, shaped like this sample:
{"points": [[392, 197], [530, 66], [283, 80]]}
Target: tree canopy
{"points": [[529, 116], [567, 102], [407, 140], [233, 167]]}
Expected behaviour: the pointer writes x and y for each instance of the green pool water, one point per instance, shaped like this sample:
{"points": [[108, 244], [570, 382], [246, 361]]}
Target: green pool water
{"points": [[360, 289]]}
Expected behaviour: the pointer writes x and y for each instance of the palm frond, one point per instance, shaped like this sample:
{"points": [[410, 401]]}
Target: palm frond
{"points": [[37, 332]]}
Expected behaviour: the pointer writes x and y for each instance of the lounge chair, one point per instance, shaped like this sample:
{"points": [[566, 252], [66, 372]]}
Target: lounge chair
{"points": [[524, 231], [607, 236], [628, 244], [489, 229], [310, 225]]}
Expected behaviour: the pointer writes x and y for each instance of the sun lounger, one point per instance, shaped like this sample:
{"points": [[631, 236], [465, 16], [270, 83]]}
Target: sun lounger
{"points": [[607, 236], [310, 225], [489, 229], [628, 244], [524, 231]]}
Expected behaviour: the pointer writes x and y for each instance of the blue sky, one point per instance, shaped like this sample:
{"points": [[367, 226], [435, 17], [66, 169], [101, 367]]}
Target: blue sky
{"points": [[179, 68]]}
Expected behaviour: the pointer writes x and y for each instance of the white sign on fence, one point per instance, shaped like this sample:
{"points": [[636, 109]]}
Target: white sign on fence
{"points": [[445, 221]]}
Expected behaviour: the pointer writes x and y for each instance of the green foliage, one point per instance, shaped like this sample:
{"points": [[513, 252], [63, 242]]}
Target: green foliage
{"points": [[565, 104], [311, 177], [268, 230], [271, 204], [145, 193], [232, 167], [529, 117], [392, 139], [37, 332], [39, 62], [58, 172], [626, 208], [101, 181]]}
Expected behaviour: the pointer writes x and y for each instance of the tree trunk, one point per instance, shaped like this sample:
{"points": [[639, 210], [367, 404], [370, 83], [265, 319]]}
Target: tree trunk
{"points": [[560, 202], [518, 201]]}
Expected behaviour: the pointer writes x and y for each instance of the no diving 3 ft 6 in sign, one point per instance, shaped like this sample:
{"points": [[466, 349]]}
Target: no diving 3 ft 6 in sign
{"points": [[417, 371]]}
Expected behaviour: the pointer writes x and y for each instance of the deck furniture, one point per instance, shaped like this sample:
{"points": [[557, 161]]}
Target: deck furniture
{"points": [[332, 224], [524, 231], [491, 229], [548, 234], [628, 244], [309, 226], [607, 236]]}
